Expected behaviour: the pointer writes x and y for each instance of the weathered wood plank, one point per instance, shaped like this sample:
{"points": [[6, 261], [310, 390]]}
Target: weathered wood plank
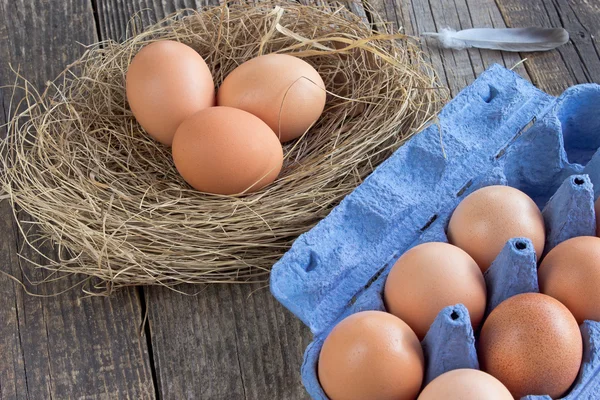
{"points": [[13, 379], [271, 343], [194, 343], [576, 62], [456, 69], [65, 346], [227, 342], [115, 16]]}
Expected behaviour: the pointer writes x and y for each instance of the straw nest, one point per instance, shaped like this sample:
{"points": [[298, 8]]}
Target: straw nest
{"points": [[110, 199]]}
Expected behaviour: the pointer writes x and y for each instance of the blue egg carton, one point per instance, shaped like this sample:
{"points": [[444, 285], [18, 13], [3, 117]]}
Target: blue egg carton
{"points": [[499, 130]]}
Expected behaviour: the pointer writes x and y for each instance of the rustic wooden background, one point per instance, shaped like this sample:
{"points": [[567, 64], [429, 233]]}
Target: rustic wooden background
{"points": [[228, 342]]}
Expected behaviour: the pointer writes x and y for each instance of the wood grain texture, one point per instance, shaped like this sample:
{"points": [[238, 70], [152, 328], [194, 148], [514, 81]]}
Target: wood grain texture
{"points": [[227, 342], [116, 18], [456, 69], [66, 346], [576, 62], [13, 379]]}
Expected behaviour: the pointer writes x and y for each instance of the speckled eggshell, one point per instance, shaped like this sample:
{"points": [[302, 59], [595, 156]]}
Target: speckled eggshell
{"points": [[532, 344], [371, 355], [167, 82], [465, 384], [570, 273], [486, 219], [224, 150], [428, 278], [284, 91]]}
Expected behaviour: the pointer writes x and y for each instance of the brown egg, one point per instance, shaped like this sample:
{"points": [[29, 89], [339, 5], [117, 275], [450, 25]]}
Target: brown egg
{"points": [[284, 91], [428, 278], [167, 82], [532, 344], [597, 210], [487, 218], [371, 355], [465, 384], [570, 273], [226, 151]]}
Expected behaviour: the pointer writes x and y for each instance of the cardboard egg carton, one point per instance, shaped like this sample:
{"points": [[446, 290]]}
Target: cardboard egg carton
{"points": [[499, 130]]}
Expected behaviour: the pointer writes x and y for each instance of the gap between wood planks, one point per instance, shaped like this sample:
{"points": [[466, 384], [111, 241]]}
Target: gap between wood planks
{"points": [[147, 332], [141, 292], [49, 344], [95, 11]]}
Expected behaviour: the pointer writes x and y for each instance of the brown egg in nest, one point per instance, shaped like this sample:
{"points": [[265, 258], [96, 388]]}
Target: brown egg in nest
{"points": [[227, 151], [167, 82], [286, 92]]}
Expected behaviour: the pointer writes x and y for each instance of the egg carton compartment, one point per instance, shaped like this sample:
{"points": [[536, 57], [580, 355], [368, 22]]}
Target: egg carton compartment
{"points": [[499, 130]]}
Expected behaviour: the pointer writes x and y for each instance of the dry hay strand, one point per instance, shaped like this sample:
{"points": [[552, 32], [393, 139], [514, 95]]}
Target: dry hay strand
{"points": [[110, 199]]}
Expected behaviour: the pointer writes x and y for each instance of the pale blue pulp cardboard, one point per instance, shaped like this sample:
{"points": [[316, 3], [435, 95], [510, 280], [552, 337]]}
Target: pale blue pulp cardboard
{"points": [[499, 130]]}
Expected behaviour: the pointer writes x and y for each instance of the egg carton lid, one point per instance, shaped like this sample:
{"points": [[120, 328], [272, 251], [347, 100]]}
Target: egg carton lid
{"points": [[330, 265]]}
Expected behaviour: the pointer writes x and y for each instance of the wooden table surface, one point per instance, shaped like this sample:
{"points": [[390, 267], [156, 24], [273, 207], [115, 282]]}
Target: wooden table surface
{"points": [[228, 342]]}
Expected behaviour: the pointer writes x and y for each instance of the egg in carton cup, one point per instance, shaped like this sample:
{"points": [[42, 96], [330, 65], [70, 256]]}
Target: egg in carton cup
{"points": [[500, 130]]}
